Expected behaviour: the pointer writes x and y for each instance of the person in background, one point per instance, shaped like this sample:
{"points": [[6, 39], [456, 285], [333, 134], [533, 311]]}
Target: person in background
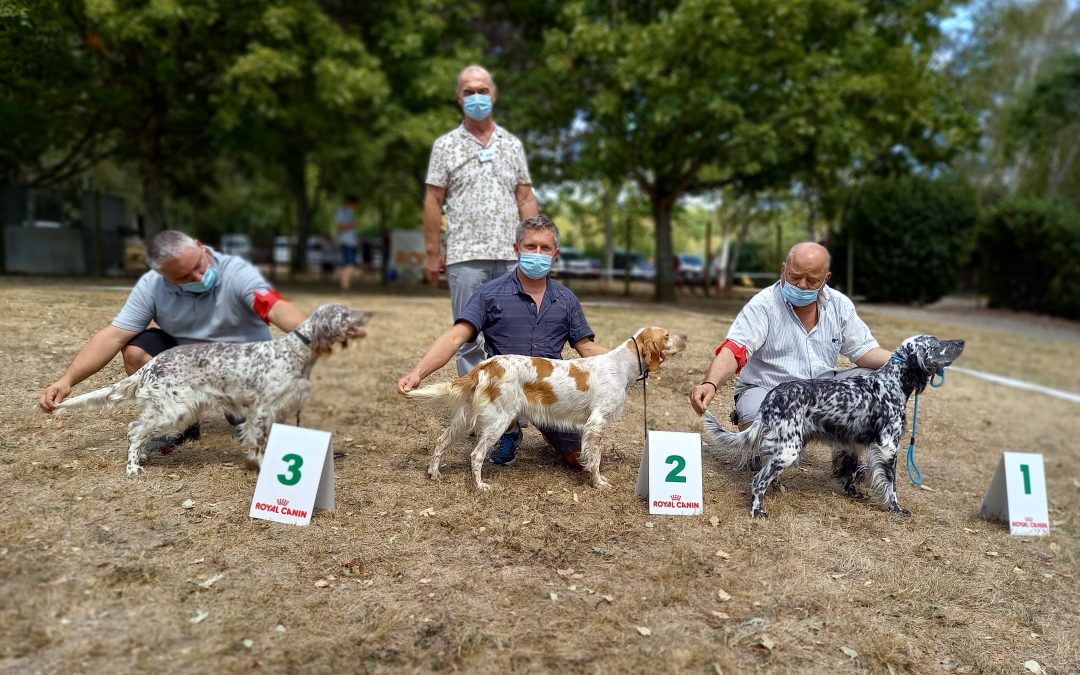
{"points": [[479, 174]]}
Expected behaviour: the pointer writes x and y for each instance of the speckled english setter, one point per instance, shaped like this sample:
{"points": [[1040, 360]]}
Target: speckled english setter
{"points": [[262, 382], [585, 393], [865, 411]]}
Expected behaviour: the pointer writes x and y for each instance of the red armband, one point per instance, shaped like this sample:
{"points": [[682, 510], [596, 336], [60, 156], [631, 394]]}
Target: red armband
{"points": [[264, 302], [738, 351]]}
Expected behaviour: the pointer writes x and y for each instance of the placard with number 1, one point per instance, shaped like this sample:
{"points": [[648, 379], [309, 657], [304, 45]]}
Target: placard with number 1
{"points": [[297, 475]]}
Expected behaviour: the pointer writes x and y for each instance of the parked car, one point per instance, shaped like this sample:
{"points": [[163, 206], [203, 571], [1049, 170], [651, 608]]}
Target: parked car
{"points": [[236, 244], [640, 266], [691, 267], [320, 251], [573, 264]]}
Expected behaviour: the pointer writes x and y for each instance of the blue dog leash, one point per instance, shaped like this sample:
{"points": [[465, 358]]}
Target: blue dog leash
{"points": [[913, 472]]}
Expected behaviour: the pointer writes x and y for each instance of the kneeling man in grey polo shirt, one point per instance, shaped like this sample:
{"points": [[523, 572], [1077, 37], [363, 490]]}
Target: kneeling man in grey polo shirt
{"points": [[794, 329], [193, 294]]}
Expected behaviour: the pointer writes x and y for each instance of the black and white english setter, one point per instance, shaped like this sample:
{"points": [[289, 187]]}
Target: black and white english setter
{"points": [[865, 411], [262, 382]]}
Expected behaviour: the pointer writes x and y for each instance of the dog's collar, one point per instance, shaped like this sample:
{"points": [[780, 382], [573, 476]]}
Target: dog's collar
{"points": [[640, 365], [896, 357], [303, 338]]}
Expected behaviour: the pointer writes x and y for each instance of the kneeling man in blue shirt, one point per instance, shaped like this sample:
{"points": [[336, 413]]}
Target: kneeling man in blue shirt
{"points": [[521, 312]]}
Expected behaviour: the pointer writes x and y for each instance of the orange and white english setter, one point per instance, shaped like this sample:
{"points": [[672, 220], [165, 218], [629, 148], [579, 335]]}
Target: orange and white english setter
{"points": [[585, 393]]}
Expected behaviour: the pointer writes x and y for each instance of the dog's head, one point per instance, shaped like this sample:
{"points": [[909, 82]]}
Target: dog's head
{"points": [[655, 344], [332, 324], [925, 355]]}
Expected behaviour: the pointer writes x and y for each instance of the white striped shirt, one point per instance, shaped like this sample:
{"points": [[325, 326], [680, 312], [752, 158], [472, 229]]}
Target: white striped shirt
{"points": [[778, 347]]}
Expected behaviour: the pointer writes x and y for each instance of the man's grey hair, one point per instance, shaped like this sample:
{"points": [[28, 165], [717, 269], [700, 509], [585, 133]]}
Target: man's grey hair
{"points": [[167, 245], [537, 223], [469, 68]]}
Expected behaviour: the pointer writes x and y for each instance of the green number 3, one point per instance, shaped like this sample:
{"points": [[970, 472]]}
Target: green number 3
{"points": [[674, 475], [293, 477]]}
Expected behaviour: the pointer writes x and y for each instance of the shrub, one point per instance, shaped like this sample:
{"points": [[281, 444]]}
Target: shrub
{"points": [[911, 237], [1028, 256]]}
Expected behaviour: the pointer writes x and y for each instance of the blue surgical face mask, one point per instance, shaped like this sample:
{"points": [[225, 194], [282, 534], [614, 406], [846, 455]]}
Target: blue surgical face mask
{"points": [[798, 296], [207, 282], [477, 106], [534, 265]]}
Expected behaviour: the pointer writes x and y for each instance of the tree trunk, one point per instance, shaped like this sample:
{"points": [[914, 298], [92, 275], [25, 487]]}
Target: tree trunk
{"points": [[665, 265], [153, 186], [608, 198], [298, 180]]}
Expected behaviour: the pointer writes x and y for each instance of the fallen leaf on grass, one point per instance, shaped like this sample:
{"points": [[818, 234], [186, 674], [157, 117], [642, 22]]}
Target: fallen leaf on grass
{"points": [[723, 595], [851, 653], [248, 642], [554, 596], [575, 498], [198, 618], [649, 524], [566, 572], [212, 580], [927, 488], [992, 554], [188, 504], [646, 632], [279, 628], [322, 583], [1034, 666], [428, 512], [425, 581], [721, 553], [767, 642], [838, 575], [969, 530], [607, 598], [714, 521], [720, 615]]}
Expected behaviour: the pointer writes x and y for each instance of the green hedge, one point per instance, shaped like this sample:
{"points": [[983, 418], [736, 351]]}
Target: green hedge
{"points": [[911, 236], [1028, 255]]}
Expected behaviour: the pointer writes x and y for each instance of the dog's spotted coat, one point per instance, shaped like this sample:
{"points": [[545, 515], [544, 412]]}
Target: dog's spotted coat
{"points": [[585, 393], [866, 411], [262, 382]]}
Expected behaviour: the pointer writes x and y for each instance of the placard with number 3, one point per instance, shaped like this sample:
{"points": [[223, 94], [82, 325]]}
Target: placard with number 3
{"points": [[296, 476]]}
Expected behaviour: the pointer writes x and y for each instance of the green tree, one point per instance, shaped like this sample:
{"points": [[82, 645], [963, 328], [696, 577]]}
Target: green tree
{"points": [[301, 103], [702, 94], [911, 237]]}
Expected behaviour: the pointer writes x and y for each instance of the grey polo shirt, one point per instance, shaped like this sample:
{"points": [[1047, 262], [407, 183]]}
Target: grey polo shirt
{"points": [[512, 324], [778, 347], [481, 203], [225, 313]]}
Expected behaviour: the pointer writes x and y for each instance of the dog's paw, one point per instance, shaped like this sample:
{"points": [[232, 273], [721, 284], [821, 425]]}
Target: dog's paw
{"points": [[599, 481], [758, 513], [133, 469], [483, 486], [900, 510], [853, 492], [434, 474]]}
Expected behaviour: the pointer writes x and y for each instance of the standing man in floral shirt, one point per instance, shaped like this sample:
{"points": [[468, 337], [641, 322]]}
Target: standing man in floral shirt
{"points": [[478, 171]]}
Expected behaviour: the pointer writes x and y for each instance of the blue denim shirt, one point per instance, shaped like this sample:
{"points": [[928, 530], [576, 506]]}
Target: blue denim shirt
{"points": [[511, 323]]}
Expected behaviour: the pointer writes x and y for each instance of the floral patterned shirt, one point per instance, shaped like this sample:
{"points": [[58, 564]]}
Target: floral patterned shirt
{"points": [[481, 207]]}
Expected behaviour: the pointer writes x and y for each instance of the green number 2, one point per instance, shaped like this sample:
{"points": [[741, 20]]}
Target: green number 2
{"points": [[1027, 478], [293, 477], [674, 475]]}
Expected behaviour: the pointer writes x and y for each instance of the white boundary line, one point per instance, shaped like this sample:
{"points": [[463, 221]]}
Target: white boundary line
{"points": [[1019, 384]]}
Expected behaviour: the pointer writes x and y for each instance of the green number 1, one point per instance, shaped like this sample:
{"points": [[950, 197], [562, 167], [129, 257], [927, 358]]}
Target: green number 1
{"points": [[293, 477], [1027, 478], [674, 475]]}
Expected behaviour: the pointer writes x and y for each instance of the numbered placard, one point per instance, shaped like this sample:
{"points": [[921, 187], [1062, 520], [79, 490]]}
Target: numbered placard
{"points": [[296, 476], [674, 473], [1017, 494]]}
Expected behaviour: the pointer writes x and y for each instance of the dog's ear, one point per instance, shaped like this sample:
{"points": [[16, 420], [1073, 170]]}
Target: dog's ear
{"points": [[652, 342], [327, 326]]}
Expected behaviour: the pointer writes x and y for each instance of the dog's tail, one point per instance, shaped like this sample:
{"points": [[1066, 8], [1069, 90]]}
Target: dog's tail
{"points": [[739, 448], [106, 397]]}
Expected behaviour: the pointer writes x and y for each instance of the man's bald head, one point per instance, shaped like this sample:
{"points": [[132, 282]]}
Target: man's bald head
{"points": [[807, 265], [808, 254], [472, 76]]}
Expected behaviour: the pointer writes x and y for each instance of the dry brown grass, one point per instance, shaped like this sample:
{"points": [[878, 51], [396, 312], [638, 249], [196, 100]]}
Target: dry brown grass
{"points": [[101, 572]]}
